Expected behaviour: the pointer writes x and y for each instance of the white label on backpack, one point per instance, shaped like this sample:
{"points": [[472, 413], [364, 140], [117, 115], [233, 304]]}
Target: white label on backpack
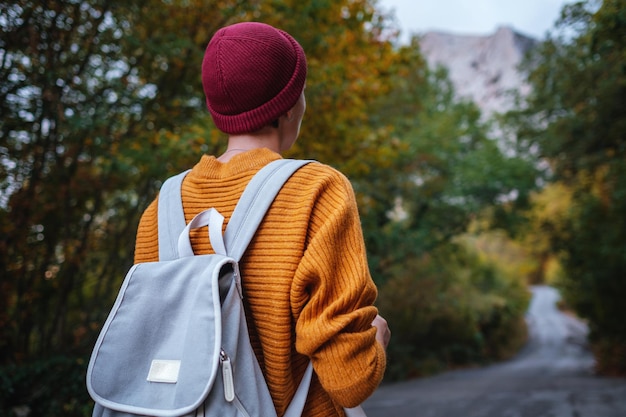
{"points": [[162, 370]]}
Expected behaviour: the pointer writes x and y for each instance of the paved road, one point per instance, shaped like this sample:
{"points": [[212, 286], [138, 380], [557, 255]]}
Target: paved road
{"points": [[551, 377]]}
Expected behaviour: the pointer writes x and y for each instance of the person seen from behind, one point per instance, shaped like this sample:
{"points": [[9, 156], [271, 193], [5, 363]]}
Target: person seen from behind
{"points": [[307, 288]]}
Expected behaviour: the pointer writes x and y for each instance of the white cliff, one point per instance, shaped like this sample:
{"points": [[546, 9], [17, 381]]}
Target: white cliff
{"points": [[482, 68]]}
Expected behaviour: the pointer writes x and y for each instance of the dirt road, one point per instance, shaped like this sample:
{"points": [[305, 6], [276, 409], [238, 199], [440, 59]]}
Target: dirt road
{"points": [[551, 377]]}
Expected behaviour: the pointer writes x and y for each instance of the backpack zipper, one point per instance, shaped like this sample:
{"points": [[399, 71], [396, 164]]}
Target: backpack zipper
{"points": [[237, 278], [227, 377], [229, 383]]}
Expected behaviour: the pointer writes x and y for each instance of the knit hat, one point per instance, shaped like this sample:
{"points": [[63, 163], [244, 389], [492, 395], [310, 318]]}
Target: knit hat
{"points": [[252, 73]]}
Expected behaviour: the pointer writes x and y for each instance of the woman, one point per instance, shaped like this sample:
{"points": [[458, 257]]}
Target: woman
{"points": [[307, 288]]}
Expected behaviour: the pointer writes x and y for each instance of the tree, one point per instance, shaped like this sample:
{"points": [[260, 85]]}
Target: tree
{"points": [[102, 100], [90, 94], [443, 170], [576, 118], [448, 169]]}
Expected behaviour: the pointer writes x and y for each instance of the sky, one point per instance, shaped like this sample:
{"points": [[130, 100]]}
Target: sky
{"points": [[476, 17]]}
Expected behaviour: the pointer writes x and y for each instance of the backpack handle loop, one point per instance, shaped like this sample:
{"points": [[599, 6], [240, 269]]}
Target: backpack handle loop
{"points": [[215, 221]]}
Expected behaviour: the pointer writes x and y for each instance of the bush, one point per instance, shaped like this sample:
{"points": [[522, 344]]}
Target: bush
{"points": [[594, 267], [451, 309], [610, 356], [46, 388]]}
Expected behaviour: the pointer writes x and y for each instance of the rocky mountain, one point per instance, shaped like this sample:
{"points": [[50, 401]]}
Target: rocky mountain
{"points": [[483, 68]]}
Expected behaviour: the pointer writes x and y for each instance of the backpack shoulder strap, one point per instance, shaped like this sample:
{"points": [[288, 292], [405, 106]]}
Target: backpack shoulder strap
{"points": [[254, 202], [299, 399], [249, 212], [171, 218]]}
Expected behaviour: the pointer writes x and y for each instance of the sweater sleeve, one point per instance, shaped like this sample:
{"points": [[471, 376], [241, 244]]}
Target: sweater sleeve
{"points": [[334, 293], [147, 240]]}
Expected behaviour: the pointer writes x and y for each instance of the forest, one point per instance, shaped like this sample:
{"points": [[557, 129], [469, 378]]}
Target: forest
{"points": [[101, 100]]}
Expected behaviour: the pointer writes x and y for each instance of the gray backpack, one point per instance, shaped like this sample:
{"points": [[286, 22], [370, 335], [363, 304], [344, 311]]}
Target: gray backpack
{"points": [[176, 341]]}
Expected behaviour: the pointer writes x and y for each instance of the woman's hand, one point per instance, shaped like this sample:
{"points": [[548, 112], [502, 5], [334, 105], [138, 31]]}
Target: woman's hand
{"points": [[383, 334]]}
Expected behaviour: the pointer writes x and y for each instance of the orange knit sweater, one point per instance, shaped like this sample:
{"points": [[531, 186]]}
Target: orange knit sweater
{"points": [[307, 288]]}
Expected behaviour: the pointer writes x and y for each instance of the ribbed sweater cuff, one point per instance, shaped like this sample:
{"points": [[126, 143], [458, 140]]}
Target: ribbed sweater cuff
{"points": [[371, 381]]}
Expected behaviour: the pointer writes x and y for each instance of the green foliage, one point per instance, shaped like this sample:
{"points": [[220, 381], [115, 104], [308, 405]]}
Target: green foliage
{"points": [[46, 388], [595, 262], [576, 118], [102, 100], [451, 309], [57, 138], [94, 99], [575, 111], [446, 170]]}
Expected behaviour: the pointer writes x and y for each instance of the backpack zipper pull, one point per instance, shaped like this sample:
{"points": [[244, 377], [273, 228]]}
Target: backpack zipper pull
{"points": [[227, 376]]}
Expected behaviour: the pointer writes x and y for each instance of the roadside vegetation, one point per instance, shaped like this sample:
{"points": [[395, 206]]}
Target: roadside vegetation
{"points": [[575, 119], [101, 100]]}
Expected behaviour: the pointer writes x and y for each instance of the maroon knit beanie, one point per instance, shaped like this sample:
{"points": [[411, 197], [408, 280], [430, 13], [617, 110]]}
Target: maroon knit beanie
{"points": [[252, 74]]}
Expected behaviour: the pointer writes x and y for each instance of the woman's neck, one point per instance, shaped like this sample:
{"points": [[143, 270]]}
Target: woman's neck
{"points": [[264, 138]]}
